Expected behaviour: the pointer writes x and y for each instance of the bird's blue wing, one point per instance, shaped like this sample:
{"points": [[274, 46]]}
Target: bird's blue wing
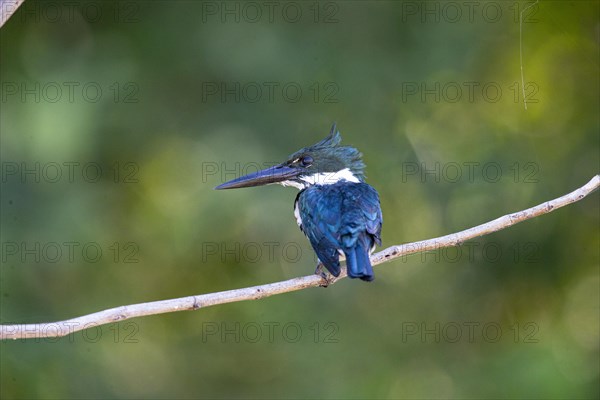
{"points": [[371, 211], [320, 222], [342, 217], [360, 229]]}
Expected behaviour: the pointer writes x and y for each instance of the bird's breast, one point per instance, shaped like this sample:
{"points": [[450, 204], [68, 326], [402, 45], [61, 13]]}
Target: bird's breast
{"points": [[297, 214]]}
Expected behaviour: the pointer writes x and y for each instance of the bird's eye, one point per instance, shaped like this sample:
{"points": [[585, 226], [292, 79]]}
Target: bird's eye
{"points": [[306, 161]]}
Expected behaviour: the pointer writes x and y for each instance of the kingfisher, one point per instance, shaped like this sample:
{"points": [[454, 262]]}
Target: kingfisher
{"points": [[338, 212]]}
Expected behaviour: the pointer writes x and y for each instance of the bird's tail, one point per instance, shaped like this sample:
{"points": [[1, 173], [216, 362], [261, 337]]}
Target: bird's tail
{"points": [[358, 262]]}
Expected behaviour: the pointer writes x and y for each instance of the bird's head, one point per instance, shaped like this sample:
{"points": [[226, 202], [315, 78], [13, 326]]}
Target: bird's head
{"points": [[325, 162]]}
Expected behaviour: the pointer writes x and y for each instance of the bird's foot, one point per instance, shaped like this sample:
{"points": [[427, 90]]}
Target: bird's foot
{"points": [[327, 277]]}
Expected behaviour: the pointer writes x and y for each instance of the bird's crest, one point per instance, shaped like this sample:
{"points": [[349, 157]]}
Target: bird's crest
{"points": [[333, 139], [332, 156]]}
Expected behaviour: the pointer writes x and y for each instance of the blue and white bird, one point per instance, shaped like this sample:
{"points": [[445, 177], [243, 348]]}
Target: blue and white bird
{"points": [[338, 212]]}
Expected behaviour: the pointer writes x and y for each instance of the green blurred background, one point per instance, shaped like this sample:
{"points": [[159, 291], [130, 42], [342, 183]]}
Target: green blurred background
{"points": [[170, 99]]}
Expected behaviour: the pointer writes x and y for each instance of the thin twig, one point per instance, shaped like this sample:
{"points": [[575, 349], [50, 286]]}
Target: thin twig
{"points": [[521, 50], [64, 328]]}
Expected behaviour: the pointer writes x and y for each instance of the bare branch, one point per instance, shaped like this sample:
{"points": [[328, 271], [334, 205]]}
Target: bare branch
{"points": [[7, 9], [64, 328]]}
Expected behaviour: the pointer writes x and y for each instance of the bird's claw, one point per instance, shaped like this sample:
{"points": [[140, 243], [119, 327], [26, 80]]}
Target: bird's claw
{"points": [[328, 278]]}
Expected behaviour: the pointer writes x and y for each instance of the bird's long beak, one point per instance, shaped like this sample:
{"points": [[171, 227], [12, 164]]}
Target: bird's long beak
{"points": [[275, 174]]}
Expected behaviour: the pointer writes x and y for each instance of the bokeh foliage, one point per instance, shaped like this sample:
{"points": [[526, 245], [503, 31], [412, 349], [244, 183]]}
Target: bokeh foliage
{"points": [[371, 66]]}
